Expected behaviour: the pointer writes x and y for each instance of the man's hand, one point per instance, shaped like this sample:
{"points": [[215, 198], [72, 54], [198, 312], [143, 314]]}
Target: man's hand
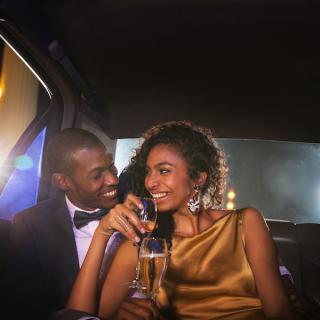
{"points": [[137, 309]]}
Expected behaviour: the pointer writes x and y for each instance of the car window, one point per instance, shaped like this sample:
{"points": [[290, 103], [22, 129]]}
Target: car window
{"points": [[21, 190], [23, 98], [279, 178]]}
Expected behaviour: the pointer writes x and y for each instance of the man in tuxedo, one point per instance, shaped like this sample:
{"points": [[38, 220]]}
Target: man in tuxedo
{"points": [[50, 240]]}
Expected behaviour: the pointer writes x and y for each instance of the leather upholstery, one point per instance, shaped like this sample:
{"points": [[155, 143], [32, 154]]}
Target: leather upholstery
{"points": [[5, 230], [298, 246], [309, 240]]}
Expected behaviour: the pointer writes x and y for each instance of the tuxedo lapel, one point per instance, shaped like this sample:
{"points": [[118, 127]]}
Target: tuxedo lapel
{"points": [[69, 248], [59, 252], [68, 255], [45, 251]]}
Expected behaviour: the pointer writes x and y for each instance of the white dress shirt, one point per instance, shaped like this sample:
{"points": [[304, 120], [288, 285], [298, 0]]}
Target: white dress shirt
{"points": [[83, 235]]}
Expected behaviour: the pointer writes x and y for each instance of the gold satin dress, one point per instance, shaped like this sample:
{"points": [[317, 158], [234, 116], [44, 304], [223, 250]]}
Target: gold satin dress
{"points": [[209, 276]]}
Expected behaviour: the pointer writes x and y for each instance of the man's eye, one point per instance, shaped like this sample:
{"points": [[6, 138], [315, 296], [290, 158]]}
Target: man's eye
{"points": [[96, 177], [114, 169]]}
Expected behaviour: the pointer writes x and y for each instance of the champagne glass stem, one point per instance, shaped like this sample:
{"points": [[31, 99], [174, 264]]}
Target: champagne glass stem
{"points": [[136, 280], [136, 283]]}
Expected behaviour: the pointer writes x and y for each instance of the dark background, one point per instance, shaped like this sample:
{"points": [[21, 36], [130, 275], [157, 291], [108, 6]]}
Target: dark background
{"points": [[249, 69]]}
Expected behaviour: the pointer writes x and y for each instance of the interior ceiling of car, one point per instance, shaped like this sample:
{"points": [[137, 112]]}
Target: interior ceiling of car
{"points": [[249, 69]]}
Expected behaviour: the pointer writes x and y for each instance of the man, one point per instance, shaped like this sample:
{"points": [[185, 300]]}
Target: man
{"points": [[50, 241]]}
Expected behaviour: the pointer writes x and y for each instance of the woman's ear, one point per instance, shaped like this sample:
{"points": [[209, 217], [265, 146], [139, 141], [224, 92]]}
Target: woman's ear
{"points": [[61, 181], [202, 178]]}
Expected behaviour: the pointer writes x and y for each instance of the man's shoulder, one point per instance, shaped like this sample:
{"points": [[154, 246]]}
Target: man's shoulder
{"points": [[42, 209]]}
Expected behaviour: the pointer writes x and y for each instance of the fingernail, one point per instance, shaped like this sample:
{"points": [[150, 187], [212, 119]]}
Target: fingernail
{"points": [[137, 239], [143, 230], [140, 206]]}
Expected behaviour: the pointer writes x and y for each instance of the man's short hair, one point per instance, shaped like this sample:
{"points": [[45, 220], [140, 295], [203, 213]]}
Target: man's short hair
{"points": [[64, 144]]}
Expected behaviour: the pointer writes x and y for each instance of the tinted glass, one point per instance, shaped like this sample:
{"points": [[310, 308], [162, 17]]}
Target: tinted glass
{"points": [[22, 98]]}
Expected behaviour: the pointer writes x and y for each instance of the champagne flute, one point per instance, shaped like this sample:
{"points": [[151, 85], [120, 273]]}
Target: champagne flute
{"points": [[153, 261], [148, 215], [148, 218]]}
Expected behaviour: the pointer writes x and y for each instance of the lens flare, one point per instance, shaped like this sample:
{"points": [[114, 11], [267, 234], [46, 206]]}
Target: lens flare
{"points": [[231, 195], [230, 205], [24, 162]]}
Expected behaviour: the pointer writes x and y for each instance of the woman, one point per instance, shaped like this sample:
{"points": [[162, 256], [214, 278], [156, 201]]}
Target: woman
{"points": [[223, 264]]}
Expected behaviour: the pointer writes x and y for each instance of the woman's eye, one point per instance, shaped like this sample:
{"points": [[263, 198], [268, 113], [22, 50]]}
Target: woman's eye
{"points": [[164, 171]]}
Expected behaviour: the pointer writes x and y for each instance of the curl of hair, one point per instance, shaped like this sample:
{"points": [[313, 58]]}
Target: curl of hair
{"points": [[200, 151]]}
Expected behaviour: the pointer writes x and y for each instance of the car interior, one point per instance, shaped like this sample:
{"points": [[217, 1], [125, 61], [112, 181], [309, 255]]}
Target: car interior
{"points": [[249, 70]]}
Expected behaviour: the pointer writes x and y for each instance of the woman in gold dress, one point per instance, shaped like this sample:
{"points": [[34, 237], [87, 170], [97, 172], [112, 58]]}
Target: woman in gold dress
{"points": [[223, 263]]}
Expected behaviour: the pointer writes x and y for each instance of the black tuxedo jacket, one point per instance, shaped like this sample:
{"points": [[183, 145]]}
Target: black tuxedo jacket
{"points": [[44, 261]]}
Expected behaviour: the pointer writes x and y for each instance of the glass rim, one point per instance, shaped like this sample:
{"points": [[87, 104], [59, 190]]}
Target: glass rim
{"points": [[147, 198], [154, 238], [153, 200]]}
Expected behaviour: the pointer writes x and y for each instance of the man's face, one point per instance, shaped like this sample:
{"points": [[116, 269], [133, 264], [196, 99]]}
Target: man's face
{"points": [[93, 182]]}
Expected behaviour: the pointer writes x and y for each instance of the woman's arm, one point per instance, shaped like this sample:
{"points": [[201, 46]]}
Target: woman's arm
{"points": [[262, 257], [84, 294], [116, 285]]}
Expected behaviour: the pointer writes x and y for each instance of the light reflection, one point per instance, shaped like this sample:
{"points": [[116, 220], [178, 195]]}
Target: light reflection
{"points": [[24, 162], [231, 195], [230, 205]]}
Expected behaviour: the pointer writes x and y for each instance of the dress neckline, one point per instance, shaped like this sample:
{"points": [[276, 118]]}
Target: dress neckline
{"points": [[214, 223]]}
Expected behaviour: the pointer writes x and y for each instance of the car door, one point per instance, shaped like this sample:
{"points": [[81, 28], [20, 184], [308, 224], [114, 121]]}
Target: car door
{"points": [[36, 100]]}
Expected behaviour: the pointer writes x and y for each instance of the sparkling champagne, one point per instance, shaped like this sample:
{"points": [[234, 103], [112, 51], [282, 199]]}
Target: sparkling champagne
{"points": [[148, 225], [152, 270]]}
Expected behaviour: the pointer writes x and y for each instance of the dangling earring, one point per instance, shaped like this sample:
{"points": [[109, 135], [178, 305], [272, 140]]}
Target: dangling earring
{"points": [[194, 201]]}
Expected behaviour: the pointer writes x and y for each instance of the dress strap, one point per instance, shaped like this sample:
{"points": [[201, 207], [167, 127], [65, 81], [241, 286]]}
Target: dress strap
{"points": [[240, 223]]}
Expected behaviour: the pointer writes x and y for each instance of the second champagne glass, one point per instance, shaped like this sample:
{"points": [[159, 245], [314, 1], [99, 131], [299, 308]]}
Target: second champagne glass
{"points": [[153, 260]]}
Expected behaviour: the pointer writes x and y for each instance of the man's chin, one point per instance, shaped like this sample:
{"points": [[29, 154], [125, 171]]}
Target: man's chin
{"points": [[109, 203]]}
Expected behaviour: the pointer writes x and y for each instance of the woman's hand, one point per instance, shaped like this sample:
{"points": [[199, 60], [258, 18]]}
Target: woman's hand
{"points": [[137, 309], [123, 218]]}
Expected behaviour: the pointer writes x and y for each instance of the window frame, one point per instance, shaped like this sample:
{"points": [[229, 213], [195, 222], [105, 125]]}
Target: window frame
{"points": [[62, 110]]}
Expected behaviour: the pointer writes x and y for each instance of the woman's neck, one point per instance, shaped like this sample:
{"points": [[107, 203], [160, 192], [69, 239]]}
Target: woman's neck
{"points": [[187, 224]]}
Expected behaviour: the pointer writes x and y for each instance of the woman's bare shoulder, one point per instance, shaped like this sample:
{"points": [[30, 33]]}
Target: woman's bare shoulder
{"points": [[251, 214], [253, 220], [216, 214]]}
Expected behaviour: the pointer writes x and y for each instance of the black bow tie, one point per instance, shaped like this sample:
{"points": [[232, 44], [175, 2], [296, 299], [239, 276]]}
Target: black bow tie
{"points": [[82, 218]]}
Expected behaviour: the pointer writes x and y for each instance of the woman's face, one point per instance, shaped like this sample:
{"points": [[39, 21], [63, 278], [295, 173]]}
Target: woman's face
{"points": [[167, 178]]}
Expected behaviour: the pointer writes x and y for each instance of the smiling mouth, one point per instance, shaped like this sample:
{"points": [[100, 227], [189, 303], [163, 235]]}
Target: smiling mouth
{"points": [[110, 194], [159, 195]]}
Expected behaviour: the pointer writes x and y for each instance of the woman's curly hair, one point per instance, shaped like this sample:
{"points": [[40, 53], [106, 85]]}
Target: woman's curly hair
{"points": [[197, 146]]}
